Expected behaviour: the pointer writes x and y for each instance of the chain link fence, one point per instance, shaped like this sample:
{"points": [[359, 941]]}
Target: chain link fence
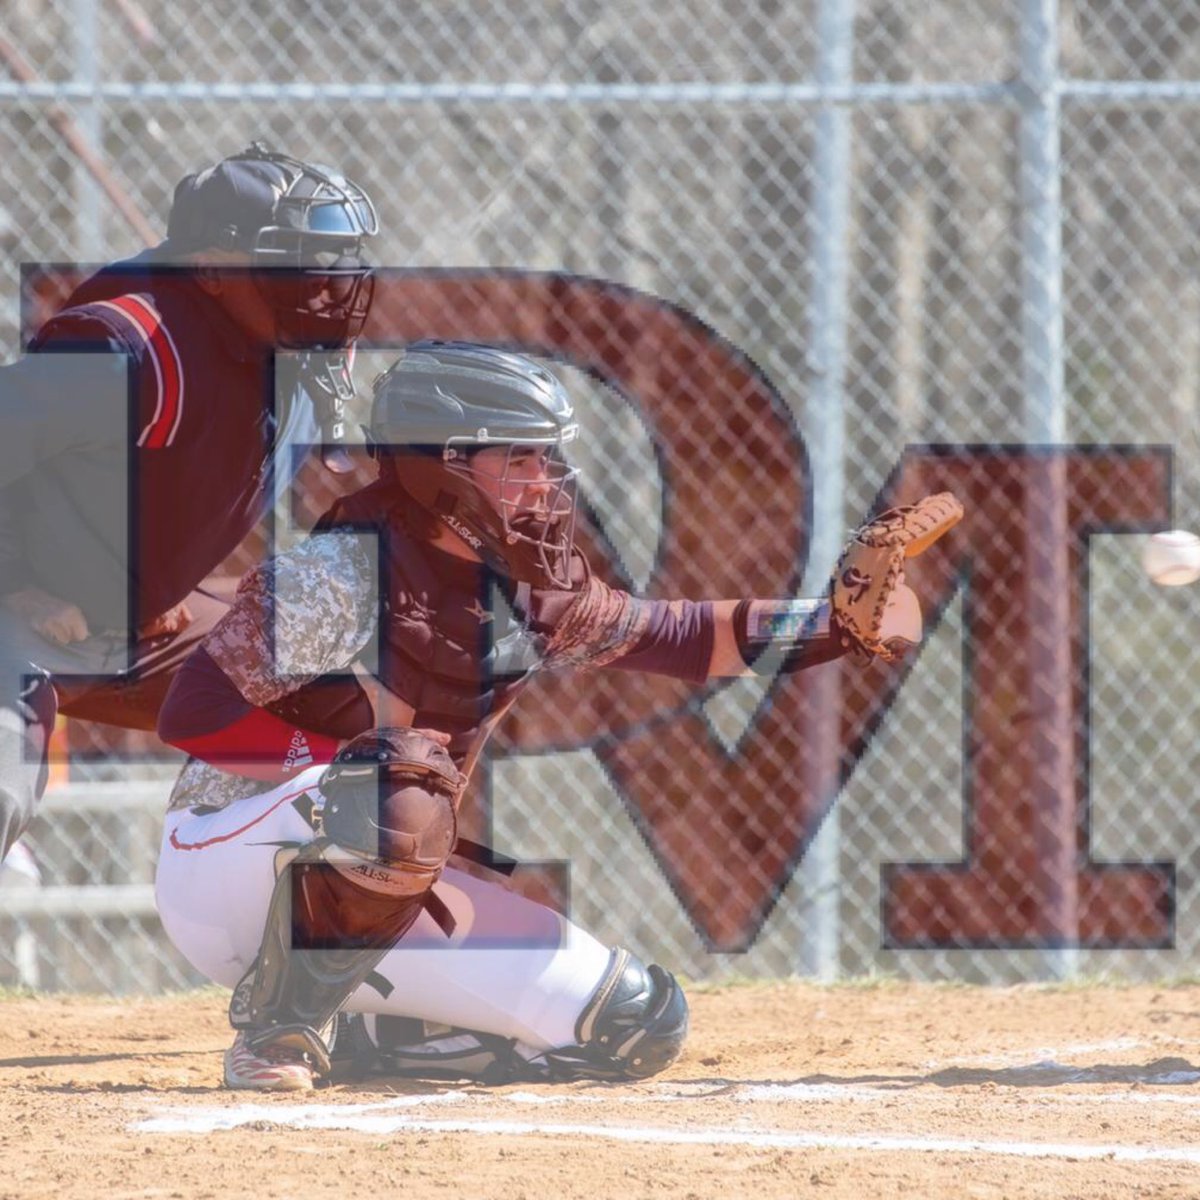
{"points": [[931, 224]]}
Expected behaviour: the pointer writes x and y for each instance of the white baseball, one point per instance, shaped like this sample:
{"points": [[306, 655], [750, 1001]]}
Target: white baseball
{"points": [[1172, 559]]}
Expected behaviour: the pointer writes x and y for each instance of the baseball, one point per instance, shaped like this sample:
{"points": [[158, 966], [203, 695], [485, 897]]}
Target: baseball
{"points": [[1172, 559]]}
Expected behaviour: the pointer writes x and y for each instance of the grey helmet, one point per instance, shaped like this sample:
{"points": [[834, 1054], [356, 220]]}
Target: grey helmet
{"points": [[443, 401]]}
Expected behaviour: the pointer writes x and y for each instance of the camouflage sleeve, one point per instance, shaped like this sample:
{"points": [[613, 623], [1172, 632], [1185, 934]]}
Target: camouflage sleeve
{"points": [[303, 614], [201, 783], [600, 625]]}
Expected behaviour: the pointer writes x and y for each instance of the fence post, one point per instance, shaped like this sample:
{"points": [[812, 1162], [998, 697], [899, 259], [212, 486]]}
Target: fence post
{"points": [[85, 47], [825, 429], [1051, 724]]}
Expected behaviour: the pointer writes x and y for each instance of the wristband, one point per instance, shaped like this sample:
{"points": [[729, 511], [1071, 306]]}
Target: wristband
{"points": [[785, 635]]}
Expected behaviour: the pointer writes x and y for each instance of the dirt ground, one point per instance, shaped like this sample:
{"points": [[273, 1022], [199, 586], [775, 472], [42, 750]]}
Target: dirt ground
{"points": [[784, 1090]]}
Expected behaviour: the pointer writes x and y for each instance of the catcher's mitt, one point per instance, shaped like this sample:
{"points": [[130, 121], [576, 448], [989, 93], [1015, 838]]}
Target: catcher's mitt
{"points": [[871, 606]]}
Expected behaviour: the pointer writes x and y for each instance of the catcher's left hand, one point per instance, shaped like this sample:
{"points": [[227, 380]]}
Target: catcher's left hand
{"points": [[874, 611]]}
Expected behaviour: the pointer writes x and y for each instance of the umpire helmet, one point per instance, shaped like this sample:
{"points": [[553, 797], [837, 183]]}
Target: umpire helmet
{"points": [[303, 226], [440, 404]]}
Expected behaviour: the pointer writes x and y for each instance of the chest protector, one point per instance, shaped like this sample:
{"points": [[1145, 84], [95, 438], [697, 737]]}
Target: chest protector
{"points": [[443, 649]]}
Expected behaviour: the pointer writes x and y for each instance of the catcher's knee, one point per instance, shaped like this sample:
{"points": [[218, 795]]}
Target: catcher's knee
{"points": [[633, 1026], [391, 830]]}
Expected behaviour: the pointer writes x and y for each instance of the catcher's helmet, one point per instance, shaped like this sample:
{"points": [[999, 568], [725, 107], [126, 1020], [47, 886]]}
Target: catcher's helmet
{"points": [[303, 226], [441, 403]]}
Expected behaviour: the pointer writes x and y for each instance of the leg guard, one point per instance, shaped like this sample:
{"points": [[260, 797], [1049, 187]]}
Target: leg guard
{"points": [[348, 897], [324, 935], [632, 1027]]}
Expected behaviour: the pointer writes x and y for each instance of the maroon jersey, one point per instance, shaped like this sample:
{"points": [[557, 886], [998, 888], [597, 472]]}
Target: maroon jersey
{"points": [[447, 647]]}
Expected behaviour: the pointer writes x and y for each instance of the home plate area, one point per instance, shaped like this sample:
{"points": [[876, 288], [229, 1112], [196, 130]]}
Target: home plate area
{"points": [[784, 1089], [769, 1115]]}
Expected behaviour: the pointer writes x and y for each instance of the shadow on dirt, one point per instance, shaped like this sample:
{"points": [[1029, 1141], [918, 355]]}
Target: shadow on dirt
{"points": [[32, 1061], [1160, 1071]]}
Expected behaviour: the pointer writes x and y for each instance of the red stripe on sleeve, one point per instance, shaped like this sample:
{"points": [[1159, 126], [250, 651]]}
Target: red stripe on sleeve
{"points": [[161, 429]]}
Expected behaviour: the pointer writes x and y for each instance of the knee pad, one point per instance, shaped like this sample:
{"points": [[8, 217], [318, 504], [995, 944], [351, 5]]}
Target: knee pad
{"points": [[634, 1025], [390, 811]]}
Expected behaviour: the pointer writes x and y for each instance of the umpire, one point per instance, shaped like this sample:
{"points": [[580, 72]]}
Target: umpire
{"points": [[137, 441]]}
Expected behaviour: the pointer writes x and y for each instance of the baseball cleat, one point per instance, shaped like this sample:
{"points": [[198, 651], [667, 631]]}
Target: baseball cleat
{"points": [[271, 1069]]}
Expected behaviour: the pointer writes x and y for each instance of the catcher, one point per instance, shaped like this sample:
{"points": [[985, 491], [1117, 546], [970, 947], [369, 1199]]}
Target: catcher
{"points": [[445, 970]]}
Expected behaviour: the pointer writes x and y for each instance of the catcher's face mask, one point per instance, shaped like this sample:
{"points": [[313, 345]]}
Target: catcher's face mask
{"points": [[475, 436], [532, 489]]}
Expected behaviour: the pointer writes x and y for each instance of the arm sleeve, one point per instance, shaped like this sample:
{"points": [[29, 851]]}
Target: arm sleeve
{"points": [[601, 626], [678, 640]]}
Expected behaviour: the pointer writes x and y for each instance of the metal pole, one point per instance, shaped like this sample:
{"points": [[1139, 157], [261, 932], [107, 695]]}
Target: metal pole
{"points": [[826, 430], [1050, 778], [89, 158], [609, 95], [89, 216], [1041, 225]]}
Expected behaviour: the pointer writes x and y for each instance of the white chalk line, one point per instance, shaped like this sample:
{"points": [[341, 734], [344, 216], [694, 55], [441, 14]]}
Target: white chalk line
{"points": [[343, 1117], [791, 1094], [395, 1115], [809, 1093], [915, 1090]]}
